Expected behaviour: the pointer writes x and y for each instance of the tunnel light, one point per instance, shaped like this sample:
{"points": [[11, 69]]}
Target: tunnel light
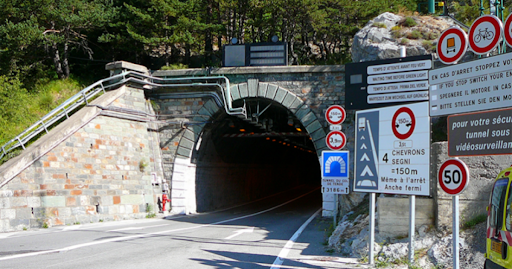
{"points": [[242, 130], [298, 129], [290, 121], [231, 124], [273, 140], [268, 138]]}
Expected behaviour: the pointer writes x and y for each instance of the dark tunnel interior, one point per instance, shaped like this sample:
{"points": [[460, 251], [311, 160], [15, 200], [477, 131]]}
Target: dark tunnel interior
{"points": [[242, 159]]}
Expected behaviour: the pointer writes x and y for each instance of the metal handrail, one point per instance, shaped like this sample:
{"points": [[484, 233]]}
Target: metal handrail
{"points": [[82, 98]]}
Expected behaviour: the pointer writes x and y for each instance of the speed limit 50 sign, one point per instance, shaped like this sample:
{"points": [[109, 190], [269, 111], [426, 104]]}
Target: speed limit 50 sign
{"points": [[453, 176]]}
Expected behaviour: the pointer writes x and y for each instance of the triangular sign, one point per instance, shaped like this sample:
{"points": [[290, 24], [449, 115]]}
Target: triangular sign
{"points": [[367, 171], [365, 158]]}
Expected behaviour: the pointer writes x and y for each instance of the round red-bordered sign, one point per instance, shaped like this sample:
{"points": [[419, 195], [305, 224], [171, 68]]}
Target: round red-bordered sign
{"points": [[453, 176], [507, 30], [335, 115], [336, 140], [395, 124], [485, 34], [452, 45]]}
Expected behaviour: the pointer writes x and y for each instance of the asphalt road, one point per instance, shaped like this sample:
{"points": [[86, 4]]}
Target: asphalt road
{"points": [[281, 231]]}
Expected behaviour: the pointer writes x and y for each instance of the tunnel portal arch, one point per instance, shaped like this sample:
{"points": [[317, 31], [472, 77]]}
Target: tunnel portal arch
{"points": [[254, 94]]}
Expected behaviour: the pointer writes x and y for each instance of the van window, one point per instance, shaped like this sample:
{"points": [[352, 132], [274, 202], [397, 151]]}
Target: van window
{"points": [[497, 203], [508, 218]]}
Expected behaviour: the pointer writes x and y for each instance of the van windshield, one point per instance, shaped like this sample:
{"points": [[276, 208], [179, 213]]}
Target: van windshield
{"points": [[497, 203]]}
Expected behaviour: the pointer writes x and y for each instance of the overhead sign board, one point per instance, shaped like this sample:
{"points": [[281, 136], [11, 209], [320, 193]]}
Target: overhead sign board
{"points": [[387, 82], [478, 85], [392, 153], [452, 45], [478, 134], [485, 34], [335, 170]]}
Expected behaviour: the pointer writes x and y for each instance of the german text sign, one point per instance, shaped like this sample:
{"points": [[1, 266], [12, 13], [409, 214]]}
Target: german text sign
{"points": [[483, 133]]}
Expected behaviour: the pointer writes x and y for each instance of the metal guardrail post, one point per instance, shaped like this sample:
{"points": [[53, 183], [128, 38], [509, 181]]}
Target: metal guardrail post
{"points": [[19, 140], [44, 125]]}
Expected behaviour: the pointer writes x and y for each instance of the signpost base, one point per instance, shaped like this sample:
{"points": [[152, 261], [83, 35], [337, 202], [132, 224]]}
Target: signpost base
{"points": [[372, 228], [455, 230], [412, 218]]}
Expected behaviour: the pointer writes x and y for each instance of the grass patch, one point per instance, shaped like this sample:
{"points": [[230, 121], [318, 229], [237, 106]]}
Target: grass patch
{"points": [[409, 22], [404, 41], [415, 34], [379, 25], [474, 221]]}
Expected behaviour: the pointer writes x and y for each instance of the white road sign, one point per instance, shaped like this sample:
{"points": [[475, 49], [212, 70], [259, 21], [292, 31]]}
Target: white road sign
{"points": [[507, 30], [335, 114], [452, 45], [453, 176], [473, 86], [485, 34], [398, 97], [336, 140], [398, 77], [399, 67], [392, 154]]}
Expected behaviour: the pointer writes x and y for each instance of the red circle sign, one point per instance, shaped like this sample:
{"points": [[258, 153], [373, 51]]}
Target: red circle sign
{"points": [[453, 176], [507, 30], [452, 45], [335, 115], [336, 140], [485, 34], [403, 123]]}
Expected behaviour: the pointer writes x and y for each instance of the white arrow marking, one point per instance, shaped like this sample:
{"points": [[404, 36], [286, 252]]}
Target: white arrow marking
{"points": [[362, 137], [367, 171], [239, 232], [365, 157], [363, 146]]}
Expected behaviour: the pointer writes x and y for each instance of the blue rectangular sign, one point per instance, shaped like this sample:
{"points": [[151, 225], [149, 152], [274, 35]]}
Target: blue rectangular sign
{"points": [[335, 164]]}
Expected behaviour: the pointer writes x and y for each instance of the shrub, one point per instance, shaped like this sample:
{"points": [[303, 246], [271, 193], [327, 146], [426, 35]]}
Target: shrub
{"points": [[409, 22], [404, 41], [379, 25], [414, 35]]}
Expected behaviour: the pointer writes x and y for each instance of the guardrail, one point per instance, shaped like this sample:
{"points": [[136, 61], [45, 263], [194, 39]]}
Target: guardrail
{"points": [[84, 96]]}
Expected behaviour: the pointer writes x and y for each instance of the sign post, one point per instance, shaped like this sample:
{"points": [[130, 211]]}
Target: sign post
{"points": [[453, 178]]}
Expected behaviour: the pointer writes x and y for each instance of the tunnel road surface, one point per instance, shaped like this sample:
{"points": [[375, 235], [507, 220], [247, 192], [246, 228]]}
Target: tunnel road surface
{"points": [[280, 231]]}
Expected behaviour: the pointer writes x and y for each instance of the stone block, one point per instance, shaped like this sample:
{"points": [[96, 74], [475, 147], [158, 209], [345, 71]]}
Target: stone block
{"points": [[235, 93], [5, 203], [271, 91], [280, 95], [252, 86], [23, 213], [33, 201], [7, 213], [393, 214], [65, 212], [308, 119], [53, 201], [244, 92], [262, 89], [19, 224], [313, 127], [132, 199]]}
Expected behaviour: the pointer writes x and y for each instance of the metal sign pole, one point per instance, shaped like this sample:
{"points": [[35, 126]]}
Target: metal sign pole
{"points": [[412, 215], [335, 217], [455, 230], [372, 228]]}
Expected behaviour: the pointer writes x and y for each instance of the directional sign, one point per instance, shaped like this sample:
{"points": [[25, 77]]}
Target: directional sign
{"points": [[452, 45], [453, 176], [507, 30], [336, 140], [392, 153], [335, 169], [478, 85], [335, 115], [485, 34]]}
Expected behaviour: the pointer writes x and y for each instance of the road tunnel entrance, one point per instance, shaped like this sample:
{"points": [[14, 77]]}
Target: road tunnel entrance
{"points": [[242, 159]]}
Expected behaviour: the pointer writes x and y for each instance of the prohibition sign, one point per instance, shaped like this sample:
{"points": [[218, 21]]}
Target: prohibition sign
{"points": [[507, 30], [453, 176], [335, 115], [484, 34], [407, 122], [336, 140], [452, 45]]}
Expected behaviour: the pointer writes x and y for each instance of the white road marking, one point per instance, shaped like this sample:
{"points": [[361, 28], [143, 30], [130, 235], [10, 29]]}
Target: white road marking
{"points": [[239, 232], [286, 249], [136, 228], [123, 238]]}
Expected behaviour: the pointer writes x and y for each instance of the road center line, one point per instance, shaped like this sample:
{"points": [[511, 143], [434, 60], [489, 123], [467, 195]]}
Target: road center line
{"points": [[136, 236], [286, 249]]}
